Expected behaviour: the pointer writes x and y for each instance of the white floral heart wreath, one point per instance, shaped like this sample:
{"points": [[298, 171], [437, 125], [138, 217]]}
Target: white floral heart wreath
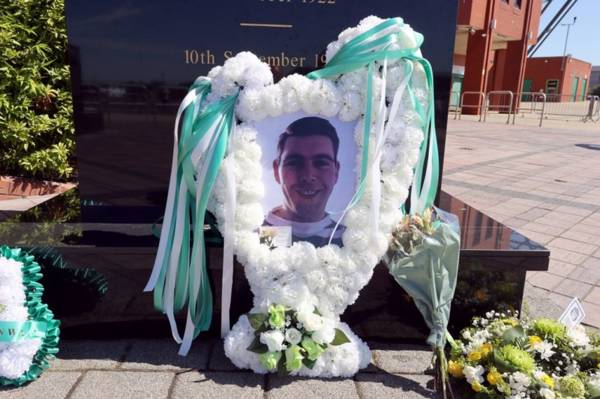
{"points": [[389, 97]]}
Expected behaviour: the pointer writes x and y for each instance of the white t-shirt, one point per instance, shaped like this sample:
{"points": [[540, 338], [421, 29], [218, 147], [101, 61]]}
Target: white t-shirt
{"points": [[317, 233]]}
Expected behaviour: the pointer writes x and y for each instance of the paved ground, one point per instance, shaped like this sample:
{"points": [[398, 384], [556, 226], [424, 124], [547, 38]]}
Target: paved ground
{"points": [[152, 369], [540, 182], [534, 180]]}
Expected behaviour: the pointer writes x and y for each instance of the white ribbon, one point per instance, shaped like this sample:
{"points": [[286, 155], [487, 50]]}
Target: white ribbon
{"points": [[373, 168], [168, 216], [229, 228]]}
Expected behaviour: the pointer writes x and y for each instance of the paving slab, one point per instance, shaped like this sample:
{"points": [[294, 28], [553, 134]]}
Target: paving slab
{"points": [[216, 385], [50, 385], [573, 288], [161, 354], [123, 385], [405, 386], [296, 387], [89, 354], [402, 358]]}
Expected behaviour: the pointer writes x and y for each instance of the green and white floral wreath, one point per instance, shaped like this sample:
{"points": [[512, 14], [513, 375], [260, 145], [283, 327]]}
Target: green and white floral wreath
{"points": [[375, 75], [29, 333]]}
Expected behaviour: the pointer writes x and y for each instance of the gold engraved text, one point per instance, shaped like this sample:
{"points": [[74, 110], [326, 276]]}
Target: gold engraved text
{"points": [[203, 57]]}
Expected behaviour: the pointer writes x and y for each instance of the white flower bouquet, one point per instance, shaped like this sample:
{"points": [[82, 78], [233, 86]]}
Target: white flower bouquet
{"points": [[286, 339], [501, 356]]}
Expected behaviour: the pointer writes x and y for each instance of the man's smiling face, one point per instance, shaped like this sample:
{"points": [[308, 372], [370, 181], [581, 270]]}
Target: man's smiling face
{"points": [[307, 171]]}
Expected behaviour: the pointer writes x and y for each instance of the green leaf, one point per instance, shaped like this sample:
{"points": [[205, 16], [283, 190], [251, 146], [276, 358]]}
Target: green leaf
{"points": [[308, 363], [514, 335], [340, 338], [258, 347], [257, 319], [281, 369], [2, 308]]}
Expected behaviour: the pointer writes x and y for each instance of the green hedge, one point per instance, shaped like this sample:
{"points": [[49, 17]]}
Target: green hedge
{"points": [[36, 117]]}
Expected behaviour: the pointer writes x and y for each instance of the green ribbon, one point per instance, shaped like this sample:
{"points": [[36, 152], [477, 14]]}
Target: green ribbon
{"points": [[12, 331], [364, 50], [209, 128]]}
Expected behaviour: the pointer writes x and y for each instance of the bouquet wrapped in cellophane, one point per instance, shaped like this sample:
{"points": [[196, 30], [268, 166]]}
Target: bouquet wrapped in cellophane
{"points": [[423, 258]]}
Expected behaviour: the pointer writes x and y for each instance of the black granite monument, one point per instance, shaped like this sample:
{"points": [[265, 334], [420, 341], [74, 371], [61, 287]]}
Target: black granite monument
{"points": [[131, 64]]}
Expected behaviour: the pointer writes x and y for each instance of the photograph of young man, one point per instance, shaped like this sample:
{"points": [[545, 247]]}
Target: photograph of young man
{"points": [[307, 169]]}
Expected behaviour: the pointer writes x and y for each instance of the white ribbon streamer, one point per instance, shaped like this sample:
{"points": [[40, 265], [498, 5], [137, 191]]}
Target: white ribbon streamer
{"points": [[227, 279], [373, 169], [168, 216]]}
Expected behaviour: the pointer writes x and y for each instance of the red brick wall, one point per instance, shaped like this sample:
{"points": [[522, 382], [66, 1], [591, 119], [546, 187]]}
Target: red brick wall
{"points": [[542, 69], [471, 13], [510, 18], [580, 69], [534, 26]]}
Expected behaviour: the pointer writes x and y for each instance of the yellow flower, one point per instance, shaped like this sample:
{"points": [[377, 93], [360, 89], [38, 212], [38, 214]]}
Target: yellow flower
{"points": [[546, 379], [534, 339], [494, 377], [485, 349], [455, 369], [476, 386], [474, 356]]}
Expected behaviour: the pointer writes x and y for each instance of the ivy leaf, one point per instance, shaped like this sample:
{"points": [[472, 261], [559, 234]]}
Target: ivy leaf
{"points": [[340, 338], [257, 319], [258, 347]]}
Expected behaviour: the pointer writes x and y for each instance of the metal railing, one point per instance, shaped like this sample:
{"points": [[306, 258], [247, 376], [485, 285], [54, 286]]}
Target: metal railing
{"points": [[499, 104], [479, 105], [531, 103], [593, 109], [547, 106]]}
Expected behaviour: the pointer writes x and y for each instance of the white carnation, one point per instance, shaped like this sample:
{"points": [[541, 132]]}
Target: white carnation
{"points": [[272, 100], [294, 89], [325, 333], [250, 105]]}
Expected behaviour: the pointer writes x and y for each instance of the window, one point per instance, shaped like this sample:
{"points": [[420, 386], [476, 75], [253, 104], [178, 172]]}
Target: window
{"points": [[518, 3]]}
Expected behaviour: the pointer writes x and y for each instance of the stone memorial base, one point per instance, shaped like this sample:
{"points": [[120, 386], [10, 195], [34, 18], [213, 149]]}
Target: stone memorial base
{"points": [[493, 263]]}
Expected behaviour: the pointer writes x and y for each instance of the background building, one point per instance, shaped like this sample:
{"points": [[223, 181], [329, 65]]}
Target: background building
{"points": [[561, 78], [595, 77], [491, 44]]}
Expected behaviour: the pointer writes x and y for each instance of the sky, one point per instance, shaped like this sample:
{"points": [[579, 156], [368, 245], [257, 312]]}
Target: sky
{"points": [[583, 36]]}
